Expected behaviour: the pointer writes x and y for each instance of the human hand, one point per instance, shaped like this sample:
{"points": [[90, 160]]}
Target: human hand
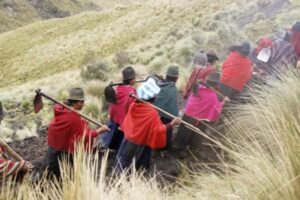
{"points": [[27, 167], [176, 121], [102, 129], [226, 99]]}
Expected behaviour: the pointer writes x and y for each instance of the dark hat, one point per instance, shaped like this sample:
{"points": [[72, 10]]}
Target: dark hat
{"points": [[76, 94], [296, 27], [172, 71], [212, 53], [128, 73], [213, 77], [244, 48]]}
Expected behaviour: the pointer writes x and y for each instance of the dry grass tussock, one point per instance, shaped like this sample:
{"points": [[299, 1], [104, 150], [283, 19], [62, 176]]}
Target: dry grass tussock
{"points": [[88, 181], [263, 139], [262, 144]]}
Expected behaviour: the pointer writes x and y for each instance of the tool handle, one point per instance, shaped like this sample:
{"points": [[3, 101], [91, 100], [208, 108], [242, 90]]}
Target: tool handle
{"points": [[38, 91], [11, 151], [188, 125], [212, 89]]}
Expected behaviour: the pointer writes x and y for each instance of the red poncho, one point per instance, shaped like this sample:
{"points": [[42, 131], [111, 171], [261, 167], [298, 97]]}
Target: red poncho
{"points": [[7, 167], [236, 71], [118, 111], [142, 126], [295, 41], [66, 128], [198, 73]]}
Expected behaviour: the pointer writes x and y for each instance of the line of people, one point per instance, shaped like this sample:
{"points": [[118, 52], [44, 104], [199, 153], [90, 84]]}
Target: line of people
{"points": [[135, 128]]}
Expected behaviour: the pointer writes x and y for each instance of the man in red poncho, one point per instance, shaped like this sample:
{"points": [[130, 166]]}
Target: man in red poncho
{"points": [[143, 130], [236, 70], [66, 129], [117, 111]]}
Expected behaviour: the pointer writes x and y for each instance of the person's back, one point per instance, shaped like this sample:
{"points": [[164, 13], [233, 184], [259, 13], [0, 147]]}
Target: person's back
{"points": [[295, 38], [167, 97], [118, 111]]}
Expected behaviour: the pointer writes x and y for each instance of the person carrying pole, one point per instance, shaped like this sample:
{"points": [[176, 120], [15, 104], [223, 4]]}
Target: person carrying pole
{"points": [[143, 130], [117, 111], [167, 98], [202, 107], [66, 129]]}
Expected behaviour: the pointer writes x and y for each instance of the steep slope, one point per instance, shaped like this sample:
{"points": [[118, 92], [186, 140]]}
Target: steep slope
{"points": [[166, 32]]}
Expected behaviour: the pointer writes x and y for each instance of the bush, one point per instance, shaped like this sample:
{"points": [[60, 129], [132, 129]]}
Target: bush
{"points": [[121, 59], [95, 88], [95, 71]]}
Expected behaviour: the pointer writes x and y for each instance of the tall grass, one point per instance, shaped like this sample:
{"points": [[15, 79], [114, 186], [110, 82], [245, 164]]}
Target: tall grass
{"points": [[261, 144]]}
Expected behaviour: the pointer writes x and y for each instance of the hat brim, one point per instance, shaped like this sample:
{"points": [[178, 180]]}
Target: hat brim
{"points": [[76, 99], [214, 56]]}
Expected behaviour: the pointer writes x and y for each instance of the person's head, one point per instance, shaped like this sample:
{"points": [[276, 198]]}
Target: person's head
{"points": [[243, 49], [213, 79], [200, 58], [296, 27], [128, 76], [76, 98], [148, 90], [212, 56], [172, 74]]}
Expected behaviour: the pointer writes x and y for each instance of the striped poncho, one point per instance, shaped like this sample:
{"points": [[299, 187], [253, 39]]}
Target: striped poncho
{"points": [[7, 167]]}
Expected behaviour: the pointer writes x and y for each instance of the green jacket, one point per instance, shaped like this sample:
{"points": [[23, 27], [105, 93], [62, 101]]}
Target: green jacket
{"points": [[167, 99]]}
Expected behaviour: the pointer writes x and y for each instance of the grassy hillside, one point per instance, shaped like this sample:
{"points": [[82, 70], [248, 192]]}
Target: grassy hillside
{"points": [[17, 13], [151, 33]]}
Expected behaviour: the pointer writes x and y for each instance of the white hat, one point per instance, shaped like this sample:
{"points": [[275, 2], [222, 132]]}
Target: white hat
{"points": [[148, 89]]}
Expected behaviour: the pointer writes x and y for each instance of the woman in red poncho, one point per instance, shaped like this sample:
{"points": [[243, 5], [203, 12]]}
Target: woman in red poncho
{"points": [[143, 130], [113, 138], [236, 70], [66, 129]]}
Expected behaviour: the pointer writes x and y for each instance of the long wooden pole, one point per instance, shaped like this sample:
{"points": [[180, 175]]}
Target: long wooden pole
{"points": [[188, 125], [11, 151], [68, 107]]}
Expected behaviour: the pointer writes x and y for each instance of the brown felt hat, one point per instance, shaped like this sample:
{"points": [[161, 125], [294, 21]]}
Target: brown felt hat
{"points": [[76, 94], [128, 73], [172, 71], [214, 77], [212, 53]]}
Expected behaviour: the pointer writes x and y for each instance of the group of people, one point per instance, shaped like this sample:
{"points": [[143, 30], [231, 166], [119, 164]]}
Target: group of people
{"points": [[136, 127]]}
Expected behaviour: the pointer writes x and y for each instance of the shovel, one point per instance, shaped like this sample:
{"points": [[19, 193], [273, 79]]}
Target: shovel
{"points": [[38, 105]]}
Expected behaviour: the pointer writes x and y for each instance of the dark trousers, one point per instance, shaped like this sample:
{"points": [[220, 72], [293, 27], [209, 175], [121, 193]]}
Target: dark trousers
{"points": [[169, 133], [228, 91], [53, 157], [186, 136], [132, 154], [112, 139]]}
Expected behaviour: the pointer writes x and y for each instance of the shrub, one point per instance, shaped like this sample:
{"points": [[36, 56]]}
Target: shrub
{"points": [[95, 71], [121, 59], [95, 88]]}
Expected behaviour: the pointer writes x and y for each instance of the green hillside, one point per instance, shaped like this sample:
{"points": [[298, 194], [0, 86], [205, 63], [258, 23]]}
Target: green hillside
{"points": [[151, 33]]}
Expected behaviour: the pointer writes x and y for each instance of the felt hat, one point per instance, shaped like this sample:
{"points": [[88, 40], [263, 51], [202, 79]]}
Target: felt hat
{"points": [[148, 89], [76, 94], [244, 48], [128, 73], [212, 53], [172, 71]]}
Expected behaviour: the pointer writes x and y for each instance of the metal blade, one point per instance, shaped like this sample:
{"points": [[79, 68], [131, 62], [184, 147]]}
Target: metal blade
{"points": [[37, 103]]}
